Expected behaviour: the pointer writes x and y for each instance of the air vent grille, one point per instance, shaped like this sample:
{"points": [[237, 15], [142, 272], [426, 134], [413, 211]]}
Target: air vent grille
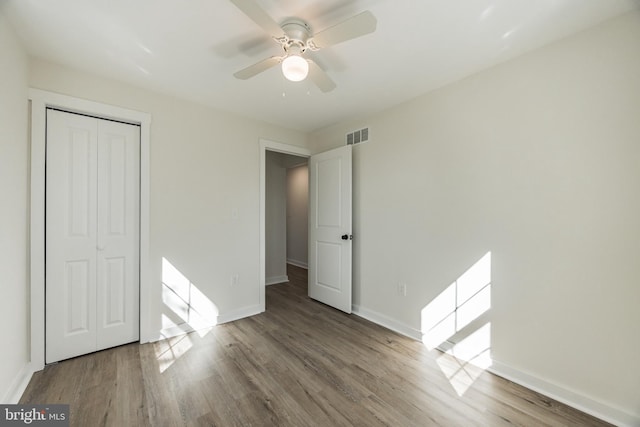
{"points": [[358, 136]]}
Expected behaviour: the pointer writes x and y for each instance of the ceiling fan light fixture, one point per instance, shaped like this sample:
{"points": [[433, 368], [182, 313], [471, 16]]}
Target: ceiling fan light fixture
{"points": [[295, 68]]}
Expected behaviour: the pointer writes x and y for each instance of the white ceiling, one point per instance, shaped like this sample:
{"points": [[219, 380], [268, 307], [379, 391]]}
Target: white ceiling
{"points": [[191, 48]]}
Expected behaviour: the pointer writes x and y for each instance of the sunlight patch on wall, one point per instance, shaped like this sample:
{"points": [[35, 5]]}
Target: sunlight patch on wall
{"points": [[455, 321], [186, 309], [186, 301]]}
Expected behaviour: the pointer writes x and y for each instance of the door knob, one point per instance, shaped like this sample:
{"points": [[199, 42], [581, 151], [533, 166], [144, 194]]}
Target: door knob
{"points": [[347, 237]]}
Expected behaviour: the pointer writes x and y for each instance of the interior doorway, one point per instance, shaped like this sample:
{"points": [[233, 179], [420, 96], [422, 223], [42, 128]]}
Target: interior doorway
{"points": [[330, 224], [267, 147], [286, 214]]}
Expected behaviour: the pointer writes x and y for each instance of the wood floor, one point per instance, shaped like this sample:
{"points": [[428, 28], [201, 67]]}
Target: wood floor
{"points": [[298, 364]]}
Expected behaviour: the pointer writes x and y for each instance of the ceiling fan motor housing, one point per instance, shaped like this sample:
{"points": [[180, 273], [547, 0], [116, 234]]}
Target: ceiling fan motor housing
{"points": [[297, 33]]}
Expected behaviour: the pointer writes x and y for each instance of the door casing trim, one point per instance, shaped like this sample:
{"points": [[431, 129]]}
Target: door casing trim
{"points": [[40, 100]]}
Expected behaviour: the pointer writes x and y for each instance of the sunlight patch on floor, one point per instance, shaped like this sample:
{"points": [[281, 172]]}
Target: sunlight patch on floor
{"points": [[467, 360], [170, 350]]}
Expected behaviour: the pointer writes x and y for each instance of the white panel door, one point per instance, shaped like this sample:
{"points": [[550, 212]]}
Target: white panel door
{"points": [[330, 228], [118, 285], [71, 226], [92, 205]]}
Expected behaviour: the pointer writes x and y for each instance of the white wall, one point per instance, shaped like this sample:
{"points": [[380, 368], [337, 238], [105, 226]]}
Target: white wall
{"points": [[14, 214], [298, 215], [537, 161], [204, 183], [275, 219]]}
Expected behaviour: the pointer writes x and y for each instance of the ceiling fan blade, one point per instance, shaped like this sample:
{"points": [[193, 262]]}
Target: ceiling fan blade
{"points": [[259, 16], [320, 78], [257, 68], [356, 26]]}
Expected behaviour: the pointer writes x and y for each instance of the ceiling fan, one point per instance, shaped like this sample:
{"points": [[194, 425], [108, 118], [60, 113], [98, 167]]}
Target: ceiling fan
{"points": [[296, 37]]}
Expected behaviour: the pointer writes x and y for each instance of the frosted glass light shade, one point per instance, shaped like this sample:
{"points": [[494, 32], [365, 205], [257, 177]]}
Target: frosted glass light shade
{"points": [[295, 68]]}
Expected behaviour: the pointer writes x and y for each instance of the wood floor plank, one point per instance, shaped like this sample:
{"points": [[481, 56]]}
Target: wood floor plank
{"points": [[301, 363]]}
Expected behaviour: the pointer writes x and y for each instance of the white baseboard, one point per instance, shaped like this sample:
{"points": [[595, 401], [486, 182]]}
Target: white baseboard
{"points": [[298, 263], [276, 279], [185, 328], [239, 313], [174, 331], [387, 322], [585, 404], [19, 385]]}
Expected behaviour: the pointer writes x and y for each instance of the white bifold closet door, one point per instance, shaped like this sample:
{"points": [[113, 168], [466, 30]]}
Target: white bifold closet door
{"points": [[92, 234]]}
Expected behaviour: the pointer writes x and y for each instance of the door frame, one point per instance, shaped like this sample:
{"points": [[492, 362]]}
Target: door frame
{"points": [[278, 147], [40, 101]]}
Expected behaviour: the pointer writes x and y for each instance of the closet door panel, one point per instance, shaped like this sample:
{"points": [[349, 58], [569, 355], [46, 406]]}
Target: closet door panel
{"points": [[118, 234], [70, 235]]}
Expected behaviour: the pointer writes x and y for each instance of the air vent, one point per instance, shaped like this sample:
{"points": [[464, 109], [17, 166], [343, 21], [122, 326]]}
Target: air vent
{"points": [[358, 136]]}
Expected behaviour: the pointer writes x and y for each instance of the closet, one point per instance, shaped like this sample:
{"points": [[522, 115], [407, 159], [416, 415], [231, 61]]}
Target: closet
{"points": [[92, 288]]}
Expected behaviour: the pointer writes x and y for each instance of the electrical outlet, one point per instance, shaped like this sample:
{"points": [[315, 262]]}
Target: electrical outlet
{"points": [[235, 279]]}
